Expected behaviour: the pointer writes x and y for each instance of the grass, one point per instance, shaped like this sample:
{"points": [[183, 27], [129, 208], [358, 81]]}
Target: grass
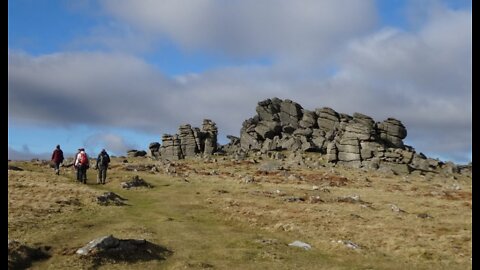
{"points": [[210, 218]]}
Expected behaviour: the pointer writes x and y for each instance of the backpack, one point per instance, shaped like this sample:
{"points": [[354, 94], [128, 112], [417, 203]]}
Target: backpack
{"points": [[61, 156], [83, 159], [104, 159]]}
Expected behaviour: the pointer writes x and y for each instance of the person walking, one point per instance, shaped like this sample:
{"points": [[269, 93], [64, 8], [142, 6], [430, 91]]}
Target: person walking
{"points": [[82, 163], [103, 160], [57, 158], [77, 169]]}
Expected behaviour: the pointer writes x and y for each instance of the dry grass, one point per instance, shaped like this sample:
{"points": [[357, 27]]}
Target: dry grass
{"points": [[208, 215]]}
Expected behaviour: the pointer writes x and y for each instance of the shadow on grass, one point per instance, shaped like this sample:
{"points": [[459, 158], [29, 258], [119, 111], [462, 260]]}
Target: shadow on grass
{"points": [[21, 256]]}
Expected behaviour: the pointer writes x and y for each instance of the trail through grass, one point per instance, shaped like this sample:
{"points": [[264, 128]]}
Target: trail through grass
{"points": [[218, 222]]}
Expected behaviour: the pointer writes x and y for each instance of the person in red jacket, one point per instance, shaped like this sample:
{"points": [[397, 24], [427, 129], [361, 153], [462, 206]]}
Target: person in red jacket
{"points": [[82, 163], [57, 158]]}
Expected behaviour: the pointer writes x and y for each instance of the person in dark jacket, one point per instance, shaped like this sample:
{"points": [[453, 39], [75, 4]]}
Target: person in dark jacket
{"points": [[57, 158], [102, 165]]}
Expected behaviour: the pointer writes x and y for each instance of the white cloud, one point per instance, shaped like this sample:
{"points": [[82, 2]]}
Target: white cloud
{"points": [[123, 91], [86, 88], [114, 143], [288, 30], [422, 78]]}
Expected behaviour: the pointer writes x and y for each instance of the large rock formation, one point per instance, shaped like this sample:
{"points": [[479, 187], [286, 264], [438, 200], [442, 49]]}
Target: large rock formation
{"points": [[187, 143], [356, 140], [352, 140]]}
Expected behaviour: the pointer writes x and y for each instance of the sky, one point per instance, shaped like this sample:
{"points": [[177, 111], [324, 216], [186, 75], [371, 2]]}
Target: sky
{"points": [[118, 74]]}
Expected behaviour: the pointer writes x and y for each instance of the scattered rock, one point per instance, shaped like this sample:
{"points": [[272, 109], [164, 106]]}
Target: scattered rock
{"points": [[139, 167], [270, 166], [424, 215], [135, 182], [324, 189], [315, 199], [110, 198], [248, 179], [293, 177], [349, 244], [456, 186], [397, 209], [109, 248], [300, 244], [294, 199], [350, 199]]}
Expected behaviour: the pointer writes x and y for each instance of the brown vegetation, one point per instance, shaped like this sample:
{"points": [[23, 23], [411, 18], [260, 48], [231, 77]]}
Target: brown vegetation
{"points": [[229, 215]]}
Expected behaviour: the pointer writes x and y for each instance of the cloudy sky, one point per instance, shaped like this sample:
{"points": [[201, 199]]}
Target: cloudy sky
{"points": [[117, 74]]}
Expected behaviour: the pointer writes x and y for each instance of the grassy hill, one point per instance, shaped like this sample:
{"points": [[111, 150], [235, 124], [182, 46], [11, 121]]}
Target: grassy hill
{"points": [[222, 214]]}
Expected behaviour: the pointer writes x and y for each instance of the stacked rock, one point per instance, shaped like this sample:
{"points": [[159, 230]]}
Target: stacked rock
{"points": [[210, 132], [171, 147], [188, 143], [392, 132]]}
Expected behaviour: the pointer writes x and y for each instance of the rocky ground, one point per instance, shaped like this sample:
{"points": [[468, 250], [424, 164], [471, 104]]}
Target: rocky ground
{"points": [[222, 212]]}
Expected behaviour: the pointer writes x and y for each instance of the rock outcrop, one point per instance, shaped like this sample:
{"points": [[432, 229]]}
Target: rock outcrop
{"points": [[188, 142], [171, 147], [350, 140], [154, 150], [355, 141]]}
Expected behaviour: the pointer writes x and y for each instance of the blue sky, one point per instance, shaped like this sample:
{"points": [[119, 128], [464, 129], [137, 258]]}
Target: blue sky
{"points": [[119, 74]]}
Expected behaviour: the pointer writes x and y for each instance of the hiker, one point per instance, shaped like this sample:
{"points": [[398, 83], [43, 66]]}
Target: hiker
{"points": [[57, 158], [82, 164], [77, 169], [102, 165]]}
